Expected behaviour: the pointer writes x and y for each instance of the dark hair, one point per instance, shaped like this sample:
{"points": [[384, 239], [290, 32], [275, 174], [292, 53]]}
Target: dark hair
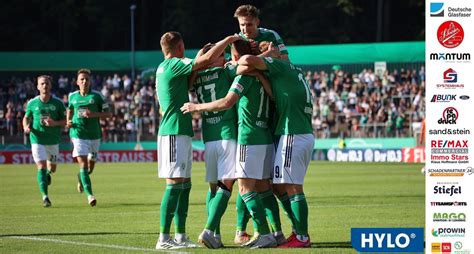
{"points": [[169, 41], [84, 71], [246, 10], [207, 47], [242, 47]]}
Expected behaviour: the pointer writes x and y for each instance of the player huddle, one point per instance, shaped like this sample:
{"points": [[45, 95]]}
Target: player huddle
{"points": [[44, 118], [256, 115], [256, 126]]}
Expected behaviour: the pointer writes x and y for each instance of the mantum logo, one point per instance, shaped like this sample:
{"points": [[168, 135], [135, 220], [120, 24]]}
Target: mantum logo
{"points": [[436, 9], [455, 203], [450, 76], [447, 190], [451, 57], [450, 34], [450, 116], [387, 239], [448, 232], [449, 217]]}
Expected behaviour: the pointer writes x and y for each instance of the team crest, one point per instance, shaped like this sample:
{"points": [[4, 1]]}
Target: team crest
{"points": [[91, 101]]}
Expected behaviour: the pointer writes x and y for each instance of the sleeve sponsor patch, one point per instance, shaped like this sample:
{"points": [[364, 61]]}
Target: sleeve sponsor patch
{"points": [[281, 47], [238, 86]]}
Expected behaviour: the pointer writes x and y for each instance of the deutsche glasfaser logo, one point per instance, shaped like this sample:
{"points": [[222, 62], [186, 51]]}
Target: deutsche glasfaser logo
{"points": [[436, 9], [450, 34]]}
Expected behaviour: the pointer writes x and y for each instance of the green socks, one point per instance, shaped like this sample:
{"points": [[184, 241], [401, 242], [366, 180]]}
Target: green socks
{"points": [[217, 209], [86, 181], [169, 202], [286, 204], [299, 207], [255, 207], [42, 177], [243, 214], [271, 209], [182, 208]]}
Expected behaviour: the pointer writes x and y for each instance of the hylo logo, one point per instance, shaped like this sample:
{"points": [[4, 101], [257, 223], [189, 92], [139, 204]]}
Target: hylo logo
{"points": [[450, 34], [387, 239]]}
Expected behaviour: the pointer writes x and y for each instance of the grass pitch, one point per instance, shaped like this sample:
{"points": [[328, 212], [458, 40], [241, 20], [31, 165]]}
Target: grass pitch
{"points": [[340, 196]]}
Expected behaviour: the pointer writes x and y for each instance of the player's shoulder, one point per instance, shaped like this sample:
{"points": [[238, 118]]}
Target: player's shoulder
{"points": [[72, 94], [32, 100], [269, 33], [56, 99], [97, 93]]}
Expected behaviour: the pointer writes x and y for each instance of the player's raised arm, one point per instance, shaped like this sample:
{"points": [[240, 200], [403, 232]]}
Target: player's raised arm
{"points": [[206, 59], [219, 105], [253, 61]]}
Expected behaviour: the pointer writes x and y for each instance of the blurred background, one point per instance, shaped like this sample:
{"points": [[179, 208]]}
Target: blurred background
{"points": [[364, 60]]}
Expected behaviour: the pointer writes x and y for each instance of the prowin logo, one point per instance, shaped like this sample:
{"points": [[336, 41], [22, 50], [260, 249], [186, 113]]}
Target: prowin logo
{"points": [[436, 9], [387, 239], [448, 232]]}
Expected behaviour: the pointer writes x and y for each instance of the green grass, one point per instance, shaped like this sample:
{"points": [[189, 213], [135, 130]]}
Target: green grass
{"points": [[340, 196]]}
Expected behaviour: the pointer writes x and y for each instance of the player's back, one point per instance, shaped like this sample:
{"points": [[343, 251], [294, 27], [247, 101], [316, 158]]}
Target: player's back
{"points": [[172, 90]]}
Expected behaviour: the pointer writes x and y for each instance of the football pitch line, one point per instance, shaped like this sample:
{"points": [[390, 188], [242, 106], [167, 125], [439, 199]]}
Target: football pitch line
{"points": [[110, 246], [156, 211]]}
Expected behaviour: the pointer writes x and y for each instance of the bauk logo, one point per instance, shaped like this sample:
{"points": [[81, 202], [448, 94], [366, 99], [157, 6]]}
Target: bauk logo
{"points": [[388, 239]]}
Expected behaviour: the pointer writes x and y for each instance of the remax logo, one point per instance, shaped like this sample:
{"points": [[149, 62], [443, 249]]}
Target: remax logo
{"points": [[387, 239], [450, 76], [450, 34], [436, 9]]}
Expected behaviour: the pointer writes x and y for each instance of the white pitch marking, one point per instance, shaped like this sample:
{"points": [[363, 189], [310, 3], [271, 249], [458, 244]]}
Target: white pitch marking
{"points": [[111, 246]]}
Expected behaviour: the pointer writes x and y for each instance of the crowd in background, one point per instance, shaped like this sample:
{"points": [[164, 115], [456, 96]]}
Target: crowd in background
{"points": [[345, 105]]}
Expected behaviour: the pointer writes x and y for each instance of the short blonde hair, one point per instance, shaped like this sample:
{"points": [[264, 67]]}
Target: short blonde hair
{"points": [[84, 71], [246, 11], [47, 77], [169, 41]]}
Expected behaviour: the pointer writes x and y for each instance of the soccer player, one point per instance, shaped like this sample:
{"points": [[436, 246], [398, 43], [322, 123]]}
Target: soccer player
{"points": [[85, 108], [294, 109], [248, 18], [175, 132], [255, 149], [43, 120], [219, 131]]}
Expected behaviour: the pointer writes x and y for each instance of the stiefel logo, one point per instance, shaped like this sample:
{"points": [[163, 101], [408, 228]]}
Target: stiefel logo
{"points": [[449, 217], [447, 190], [450, 116], [450, 34]]}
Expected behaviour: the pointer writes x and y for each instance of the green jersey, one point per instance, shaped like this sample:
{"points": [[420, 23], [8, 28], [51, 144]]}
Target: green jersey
{"points": [[172, 90], [210, 85], [270, 36], [252, 110], [293, 98], [82, 127], [38, 110]]}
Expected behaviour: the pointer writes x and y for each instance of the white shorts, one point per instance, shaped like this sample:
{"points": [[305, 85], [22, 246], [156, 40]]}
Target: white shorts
{"points": [[175, 156], [292, 158], [45, 153], [85, 147], [254, 161], [220, 160]]}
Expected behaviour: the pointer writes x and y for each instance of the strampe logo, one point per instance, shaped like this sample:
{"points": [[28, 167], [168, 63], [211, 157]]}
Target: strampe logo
{"points": [[450, 34], [450, 76]]}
